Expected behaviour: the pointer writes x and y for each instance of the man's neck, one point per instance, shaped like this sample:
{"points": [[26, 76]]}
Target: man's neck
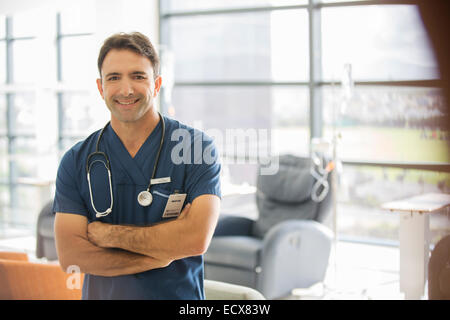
{"points": [[134, 134]]}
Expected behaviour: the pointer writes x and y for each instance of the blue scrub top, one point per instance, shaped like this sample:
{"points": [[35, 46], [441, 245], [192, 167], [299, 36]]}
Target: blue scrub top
{"points": [[182, 279]]}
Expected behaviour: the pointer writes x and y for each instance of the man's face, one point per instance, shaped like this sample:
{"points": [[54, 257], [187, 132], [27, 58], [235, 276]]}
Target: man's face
{"points": [[127, 85]]}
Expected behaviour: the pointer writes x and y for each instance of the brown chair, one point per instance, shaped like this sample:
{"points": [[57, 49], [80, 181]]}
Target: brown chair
{"points": [[439, 271], [18, 256], [24, 280]]}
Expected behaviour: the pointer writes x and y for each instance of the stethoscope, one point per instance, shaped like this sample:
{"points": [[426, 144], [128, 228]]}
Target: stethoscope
{"points": [[144, 198]]}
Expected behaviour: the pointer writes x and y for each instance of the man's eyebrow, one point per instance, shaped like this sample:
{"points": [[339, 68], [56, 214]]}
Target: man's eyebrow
{"points": [[132, 73], [139, 72], [112, 74]]}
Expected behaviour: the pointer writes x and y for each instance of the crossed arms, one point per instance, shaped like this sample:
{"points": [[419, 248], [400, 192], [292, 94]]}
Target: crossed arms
{"points": [[111, 250]]}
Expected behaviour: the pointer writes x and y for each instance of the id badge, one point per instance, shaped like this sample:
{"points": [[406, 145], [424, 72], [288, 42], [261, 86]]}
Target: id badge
{"points": [[174, 205]]}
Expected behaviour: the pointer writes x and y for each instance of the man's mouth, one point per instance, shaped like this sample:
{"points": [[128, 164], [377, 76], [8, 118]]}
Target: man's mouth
{"points": [[127, 102]]}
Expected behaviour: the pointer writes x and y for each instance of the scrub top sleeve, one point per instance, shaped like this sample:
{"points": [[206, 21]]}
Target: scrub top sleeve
{"points": [[204, 178], [67, 195]]}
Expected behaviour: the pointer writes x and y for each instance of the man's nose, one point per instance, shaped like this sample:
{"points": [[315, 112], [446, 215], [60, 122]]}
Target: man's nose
{"points": [[126, 88]]}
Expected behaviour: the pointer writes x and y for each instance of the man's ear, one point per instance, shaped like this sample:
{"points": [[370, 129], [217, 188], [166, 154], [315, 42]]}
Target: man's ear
{"points": [[100, 87], [158, 82]]}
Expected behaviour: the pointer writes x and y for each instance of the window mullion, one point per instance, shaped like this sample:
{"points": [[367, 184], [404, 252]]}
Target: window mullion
{"points": [[315, 72]]}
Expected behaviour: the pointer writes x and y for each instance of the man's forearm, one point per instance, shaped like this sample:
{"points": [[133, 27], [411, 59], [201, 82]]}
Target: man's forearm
{"points": [[188, 235], [162, 241], [109, 262], [165, 241]]}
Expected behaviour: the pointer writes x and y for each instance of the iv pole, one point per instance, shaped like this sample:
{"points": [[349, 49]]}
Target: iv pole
{"points": [[346, 94]]}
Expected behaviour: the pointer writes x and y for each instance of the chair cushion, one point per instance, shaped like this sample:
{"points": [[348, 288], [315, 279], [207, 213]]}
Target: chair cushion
{"points": [[271, 213], [291, 184], [285, 195], [236, 251]]}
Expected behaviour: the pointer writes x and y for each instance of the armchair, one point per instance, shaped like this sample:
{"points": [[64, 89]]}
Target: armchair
{"points": [[287, 247], [45, 237], [21, 279]]}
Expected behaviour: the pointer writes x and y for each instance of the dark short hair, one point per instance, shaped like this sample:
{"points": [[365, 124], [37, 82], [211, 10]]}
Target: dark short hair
{"points": [[136, 42]]}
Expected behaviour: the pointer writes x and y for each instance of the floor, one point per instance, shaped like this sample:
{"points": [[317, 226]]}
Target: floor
{"points": [[356, 271], [359, 272]]}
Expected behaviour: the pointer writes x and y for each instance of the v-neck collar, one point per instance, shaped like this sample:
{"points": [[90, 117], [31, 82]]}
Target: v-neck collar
{"points": [[147, 152], [136, 167]]}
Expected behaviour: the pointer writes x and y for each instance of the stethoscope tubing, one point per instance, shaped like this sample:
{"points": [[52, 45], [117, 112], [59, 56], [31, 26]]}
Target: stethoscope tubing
{"points": [[107, 211], [108, 168]]}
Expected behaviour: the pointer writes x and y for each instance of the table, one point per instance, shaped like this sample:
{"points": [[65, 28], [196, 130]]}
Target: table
{"points": [[414, 239]]}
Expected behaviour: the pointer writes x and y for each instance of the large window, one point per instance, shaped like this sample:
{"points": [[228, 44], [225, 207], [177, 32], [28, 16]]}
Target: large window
{"points": [[17, 105], [255, 46], [382, 42], [239, 65], [204, 5], [78, 105], [47, 103], [361, 72], [280, 71], [48, 93], [378, 95]]}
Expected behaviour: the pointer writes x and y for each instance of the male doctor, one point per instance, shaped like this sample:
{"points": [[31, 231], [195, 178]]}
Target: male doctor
{"points": [[130, 249]]}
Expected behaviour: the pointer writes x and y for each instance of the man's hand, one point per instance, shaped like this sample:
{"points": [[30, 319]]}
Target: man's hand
{"points": [[185, 211], [98, 233]]}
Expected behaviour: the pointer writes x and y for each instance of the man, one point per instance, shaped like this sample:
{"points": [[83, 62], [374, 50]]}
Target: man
{"points": [[127, 248]]}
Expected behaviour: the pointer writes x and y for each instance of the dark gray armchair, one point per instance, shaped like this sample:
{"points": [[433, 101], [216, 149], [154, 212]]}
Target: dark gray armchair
{"points": [[287, 247], [45, 237]]}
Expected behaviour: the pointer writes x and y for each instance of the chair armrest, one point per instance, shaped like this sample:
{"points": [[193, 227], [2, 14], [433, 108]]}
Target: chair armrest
{"points": [[290, 228], [233, 226], [295, 254]]}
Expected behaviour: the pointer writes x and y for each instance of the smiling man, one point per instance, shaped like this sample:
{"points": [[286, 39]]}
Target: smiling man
{"points": [[132, 220]]}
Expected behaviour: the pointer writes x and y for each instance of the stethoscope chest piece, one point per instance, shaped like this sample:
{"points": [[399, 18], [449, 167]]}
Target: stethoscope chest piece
{"points": [[145, 198]]}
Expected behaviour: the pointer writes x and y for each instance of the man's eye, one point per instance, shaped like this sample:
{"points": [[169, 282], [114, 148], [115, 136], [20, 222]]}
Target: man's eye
{"points": [[139, 77], [113, 78]]}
